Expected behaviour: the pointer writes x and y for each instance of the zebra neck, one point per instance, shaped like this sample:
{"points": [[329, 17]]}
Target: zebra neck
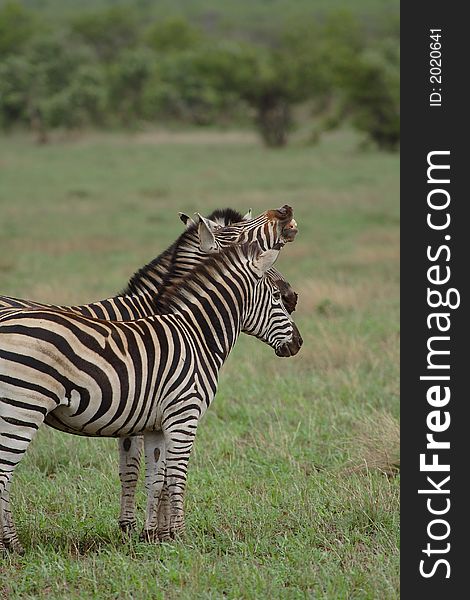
{"points": [[216, 327], [176, 262]]}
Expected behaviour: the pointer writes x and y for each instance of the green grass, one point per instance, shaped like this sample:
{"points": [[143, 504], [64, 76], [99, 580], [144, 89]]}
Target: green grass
{"points": [[291, 490]]}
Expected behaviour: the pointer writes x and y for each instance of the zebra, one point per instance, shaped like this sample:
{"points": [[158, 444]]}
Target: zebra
{"points": [[209, 235], [154, 376], [136, 302]]}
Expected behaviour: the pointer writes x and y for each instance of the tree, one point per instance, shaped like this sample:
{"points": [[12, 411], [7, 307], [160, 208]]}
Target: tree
{"points": [[54, 84], [172, 34], [17, 26], [82, 102], [128, 77], [195, 85], [108, 32], [373, 94]]}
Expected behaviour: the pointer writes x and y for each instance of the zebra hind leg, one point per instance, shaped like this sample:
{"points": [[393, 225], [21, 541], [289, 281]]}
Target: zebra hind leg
{"points": [[2, 545], [155, 465], [130, 450], [19, 421], [164, 514], [10, 536]]}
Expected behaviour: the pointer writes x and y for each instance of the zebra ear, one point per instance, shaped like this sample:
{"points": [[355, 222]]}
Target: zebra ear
{"points": [[264, 261], [212, 225], [186, 220], [248, 216], [207, 241]]}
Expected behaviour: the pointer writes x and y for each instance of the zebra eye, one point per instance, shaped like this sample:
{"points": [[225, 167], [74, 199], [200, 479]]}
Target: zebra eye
{"points": [[277, 295]]}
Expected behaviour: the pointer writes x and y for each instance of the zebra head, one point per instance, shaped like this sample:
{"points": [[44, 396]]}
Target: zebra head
{"points": [[267, 317], [227, 227], [272, 228]]}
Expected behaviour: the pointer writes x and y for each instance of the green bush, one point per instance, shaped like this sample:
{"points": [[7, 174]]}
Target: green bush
{"points": [[54, 84], [373, 94], [82, 102], [16, 90], [108, 32], [128, 76], [17, 27], [108, 67], [198, 86], [172, 34]]}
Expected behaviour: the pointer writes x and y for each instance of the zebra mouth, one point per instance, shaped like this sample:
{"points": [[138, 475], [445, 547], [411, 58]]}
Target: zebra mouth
{"points": [[289, 231], [290, 348]]}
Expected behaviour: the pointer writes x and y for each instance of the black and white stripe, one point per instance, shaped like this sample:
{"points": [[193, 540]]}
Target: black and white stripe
{"points": [[154, 376], [222, 228]]}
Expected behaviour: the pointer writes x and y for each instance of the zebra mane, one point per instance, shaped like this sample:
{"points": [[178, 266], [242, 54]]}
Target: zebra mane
{"points": [[207, 269], [225, 216], [165, 261]]}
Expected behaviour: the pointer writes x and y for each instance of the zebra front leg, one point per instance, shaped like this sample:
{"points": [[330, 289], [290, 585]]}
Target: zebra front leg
{"points": [[179, 442], [130, 449], [155, 466]]}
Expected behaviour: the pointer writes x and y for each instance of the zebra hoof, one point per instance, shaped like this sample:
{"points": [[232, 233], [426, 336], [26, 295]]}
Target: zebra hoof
{"points": [[176, 534], [149, 535], [164, 535], [127, 527], [14, 546]]}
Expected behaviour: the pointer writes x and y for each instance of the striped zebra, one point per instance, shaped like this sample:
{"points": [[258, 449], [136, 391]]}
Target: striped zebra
{"points": [[136, 302], [154, 376]]}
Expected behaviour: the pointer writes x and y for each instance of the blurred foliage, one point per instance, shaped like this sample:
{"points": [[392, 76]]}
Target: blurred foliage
{"points": [[112, 67], [108, 32], [17, 26], [172, 34], [373, 94]]}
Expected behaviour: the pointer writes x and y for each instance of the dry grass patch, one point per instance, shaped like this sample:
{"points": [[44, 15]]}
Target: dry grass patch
{"points": [[375, 444], [53, 292], [328, 350], [89, 245], [336, 295], [377, 246]]}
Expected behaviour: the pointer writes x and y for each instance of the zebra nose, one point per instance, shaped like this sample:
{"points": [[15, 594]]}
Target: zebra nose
{"points": [[290, 230], [297, 340]]}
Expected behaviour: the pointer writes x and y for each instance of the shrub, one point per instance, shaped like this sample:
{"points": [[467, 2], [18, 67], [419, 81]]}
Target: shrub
{"points": [[373, 94], [108, 32], [17, 27], [172, 34]]}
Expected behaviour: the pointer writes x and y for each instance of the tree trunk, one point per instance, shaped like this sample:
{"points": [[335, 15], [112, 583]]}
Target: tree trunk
{"points": [[274, 120], [37, 125]]}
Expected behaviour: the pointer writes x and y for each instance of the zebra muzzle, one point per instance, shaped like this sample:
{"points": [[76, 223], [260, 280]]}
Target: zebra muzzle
{"points": [[290, 230], [287, 225], [291, 348]]}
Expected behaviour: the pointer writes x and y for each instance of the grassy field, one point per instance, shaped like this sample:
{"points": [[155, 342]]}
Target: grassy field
{"points": [[291, 490]]}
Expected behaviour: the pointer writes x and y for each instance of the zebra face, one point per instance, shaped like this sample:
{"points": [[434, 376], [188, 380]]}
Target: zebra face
{"points": [[270, 229], [289, 296], [267, 317]]}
